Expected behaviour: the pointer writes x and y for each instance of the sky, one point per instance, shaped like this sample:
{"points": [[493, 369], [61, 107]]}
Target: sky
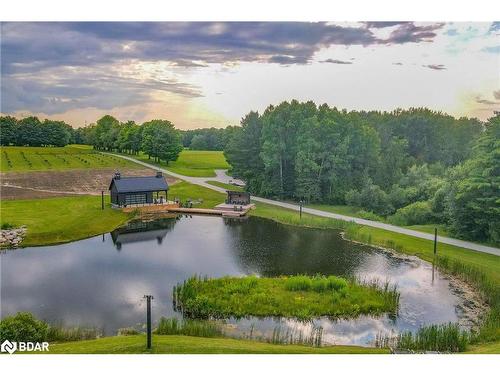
{"points": [[212, 74]]}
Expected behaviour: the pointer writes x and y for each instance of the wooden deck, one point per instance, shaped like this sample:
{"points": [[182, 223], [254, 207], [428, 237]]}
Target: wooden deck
{"points": [[165, 207], [175, 208]]}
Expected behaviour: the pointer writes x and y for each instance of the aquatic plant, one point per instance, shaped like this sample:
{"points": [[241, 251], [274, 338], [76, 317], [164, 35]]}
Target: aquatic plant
{"points": [[189, 327], [292, 336], [439, 337], [61, 334], [301, 297]]}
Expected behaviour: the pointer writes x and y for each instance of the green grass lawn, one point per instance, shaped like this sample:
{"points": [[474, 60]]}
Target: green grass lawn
{"points": [[195, 345], [302, 297], [226, 186], [57, 220], [184, 190], [489, 348], [27, 159], [193, 163]]}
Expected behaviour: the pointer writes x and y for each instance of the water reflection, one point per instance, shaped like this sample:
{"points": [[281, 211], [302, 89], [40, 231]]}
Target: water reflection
{"points": [[90, 283]]}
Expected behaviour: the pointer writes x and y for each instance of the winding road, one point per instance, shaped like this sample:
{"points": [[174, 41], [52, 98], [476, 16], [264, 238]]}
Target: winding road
{"points": [[222, 177]]}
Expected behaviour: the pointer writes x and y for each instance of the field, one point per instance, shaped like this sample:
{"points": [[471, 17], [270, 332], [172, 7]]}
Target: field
{"points": [[195, 345], [27, 159], [57, 220], [193, 163], [43, 184]]}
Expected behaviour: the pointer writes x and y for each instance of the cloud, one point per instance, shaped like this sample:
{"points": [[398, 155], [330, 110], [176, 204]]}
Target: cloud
{"points": [[409, 32], [397, 63], [103, 87], [334, 61], [496, 95], [55, 66], [495, 26], [435, 66], [382, 24]]}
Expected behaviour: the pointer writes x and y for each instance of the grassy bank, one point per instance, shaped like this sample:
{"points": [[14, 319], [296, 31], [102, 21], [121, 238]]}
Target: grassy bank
{"points": [[301, 297], [478, 269], [192, 163], [29, 159], [195, 345], [57, 220]]}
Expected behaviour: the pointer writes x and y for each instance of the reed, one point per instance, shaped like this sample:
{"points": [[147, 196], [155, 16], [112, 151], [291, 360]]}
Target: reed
{"points": [[440, 338], [293, 336], [63, 334], [189, 327]]}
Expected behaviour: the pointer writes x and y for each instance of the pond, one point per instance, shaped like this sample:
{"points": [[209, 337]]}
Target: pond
{"points": [[100, 281]]}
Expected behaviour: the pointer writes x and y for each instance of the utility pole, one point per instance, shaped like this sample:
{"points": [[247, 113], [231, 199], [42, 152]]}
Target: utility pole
{"points": [[435, 240], [301, 203], [102, 199], [148, 319]]}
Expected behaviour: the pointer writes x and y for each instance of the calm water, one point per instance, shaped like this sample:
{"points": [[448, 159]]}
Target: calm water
{"points": [[100, 281]]}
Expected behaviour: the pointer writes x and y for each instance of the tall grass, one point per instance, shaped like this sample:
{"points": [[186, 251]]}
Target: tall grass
{"points": [[489, 329], [292, 336], [316, 283], [189, 327], [62, 334], [439, 337]]}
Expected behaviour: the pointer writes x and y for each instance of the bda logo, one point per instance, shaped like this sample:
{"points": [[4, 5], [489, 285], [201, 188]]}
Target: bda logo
{"points": [[8, 346]]}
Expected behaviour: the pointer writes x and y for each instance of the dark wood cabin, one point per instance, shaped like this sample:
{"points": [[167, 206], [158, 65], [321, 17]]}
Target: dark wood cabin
{"points": [[238, 197], [127, 191]]}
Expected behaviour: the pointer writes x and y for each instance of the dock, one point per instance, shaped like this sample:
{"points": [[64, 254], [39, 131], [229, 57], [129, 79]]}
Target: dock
{"points": [[223, 210]]}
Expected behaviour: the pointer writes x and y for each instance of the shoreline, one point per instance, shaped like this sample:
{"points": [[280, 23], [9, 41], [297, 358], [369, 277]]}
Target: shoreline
{"points": [[472, 307]]}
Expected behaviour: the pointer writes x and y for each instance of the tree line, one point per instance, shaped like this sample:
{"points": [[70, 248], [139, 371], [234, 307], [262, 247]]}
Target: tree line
{"points": [[211, 139], [30, 131], [409, 167], [156, 138]]}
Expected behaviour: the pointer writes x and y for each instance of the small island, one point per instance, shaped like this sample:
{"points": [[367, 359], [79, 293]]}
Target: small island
{"points": [[301, 297]]}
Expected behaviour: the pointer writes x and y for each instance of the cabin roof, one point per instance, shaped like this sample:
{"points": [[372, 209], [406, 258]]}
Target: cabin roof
{"points": [[139, 184]]}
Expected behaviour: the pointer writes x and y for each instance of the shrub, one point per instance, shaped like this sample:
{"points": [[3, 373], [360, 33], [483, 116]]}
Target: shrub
{"points": [[371, 197], [23, 327], [369, 215], [415, 213], [7, 226]]}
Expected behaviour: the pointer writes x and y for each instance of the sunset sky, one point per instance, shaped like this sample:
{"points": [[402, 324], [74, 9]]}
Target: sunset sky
{"points": [[212, 74]]}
